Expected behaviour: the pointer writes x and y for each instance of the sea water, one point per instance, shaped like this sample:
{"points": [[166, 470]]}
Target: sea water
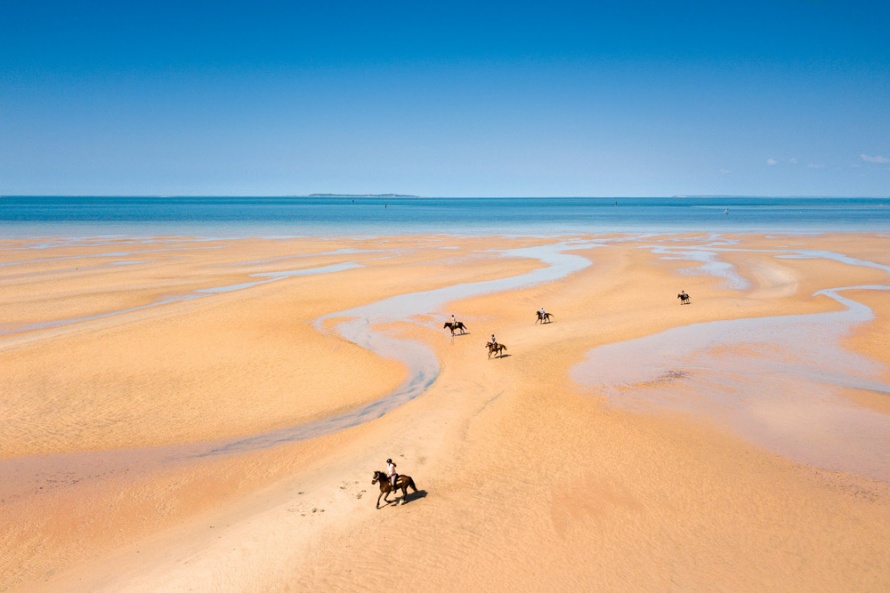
{"points": [[233, 217]]}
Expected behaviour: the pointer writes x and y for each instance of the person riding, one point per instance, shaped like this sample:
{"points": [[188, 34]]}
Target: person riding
{"points": [[391, 473], [453, 321], [682, 296], [494, 342]]}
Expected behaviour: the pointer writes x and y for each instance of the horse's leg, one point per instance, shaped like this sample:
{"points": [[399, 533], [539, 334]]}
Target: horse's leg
{"points": [[378, 499], [390, 489]]}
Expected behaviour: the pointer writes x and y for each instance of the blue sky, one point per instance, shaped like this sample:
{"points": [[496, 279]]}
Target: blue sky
{"points": [[451, 99]]}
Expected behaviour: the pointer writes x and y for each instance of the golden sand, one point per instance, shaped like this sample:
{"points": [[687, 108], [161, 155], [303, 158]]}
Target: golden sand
{"points": [[120, 377]]}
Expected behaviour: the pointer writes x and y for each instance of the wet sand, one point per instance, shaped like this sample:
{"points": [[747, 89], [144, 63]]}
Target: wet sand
{"points": [[188, 415]]}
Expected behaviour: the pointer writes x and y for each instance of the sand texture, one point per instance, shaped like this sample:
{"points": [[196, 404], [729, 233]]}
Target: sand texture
{"points": [[189, 415]]}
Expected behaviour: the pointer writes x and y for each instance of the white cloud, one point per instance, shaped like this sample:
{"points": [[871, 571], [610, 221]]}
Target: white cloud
{"points": [[793, 161], [875, 159], [724, 170], [815, 166], [771, 162]]}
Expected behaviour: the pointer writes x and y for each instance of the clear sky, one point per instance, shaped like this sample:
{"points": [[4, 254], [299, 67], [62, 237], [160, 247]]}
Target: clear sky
{"points": [[619, 98]]}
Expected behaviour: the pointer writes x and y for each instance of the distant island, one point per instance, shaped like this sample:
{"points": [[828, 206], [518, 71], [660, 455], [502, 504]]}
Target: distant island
{"points": [[361, 196]]}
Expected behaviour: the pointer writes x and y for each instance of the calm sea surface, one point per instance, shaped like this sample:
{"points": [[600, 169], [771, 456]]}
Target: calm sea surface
{"points": [[78, 217]]}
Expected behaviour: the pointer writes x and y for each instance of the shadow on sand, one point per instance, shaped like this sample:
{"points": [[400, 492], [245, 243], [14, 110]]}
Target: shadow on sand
{"points": [[409, 498]]}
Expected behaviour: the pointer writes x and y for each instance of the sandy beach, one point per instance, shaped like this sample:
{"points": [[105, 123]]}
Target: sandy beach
{"points": [[192, 415]]}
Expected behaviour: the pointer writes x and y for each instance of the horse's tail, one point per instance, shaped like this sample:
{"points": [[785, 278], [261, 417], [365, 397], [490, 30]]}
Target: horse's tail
{"points": [[411, 484]]}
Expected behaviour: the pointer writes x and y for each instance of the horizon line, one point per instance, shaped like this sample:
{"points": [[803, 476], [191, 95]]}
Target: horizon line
{"points": [[413, 196]]}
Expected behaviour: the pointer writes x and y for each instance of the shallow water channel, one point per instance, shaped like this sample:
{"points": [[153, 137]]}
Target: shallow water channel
{"points": [[360, 326]]}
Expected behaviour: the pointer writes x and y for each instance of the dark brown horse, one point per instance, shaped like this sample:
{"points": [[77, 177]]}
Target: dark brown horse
{"points": [[496, 349], [403, 482], [684, 298], [543, 317], [456, 326]]}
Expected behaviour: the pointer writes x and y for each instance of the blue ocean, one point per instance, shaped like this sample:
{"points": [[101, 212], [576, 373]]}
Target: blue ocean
{"points": [[232, 217]]}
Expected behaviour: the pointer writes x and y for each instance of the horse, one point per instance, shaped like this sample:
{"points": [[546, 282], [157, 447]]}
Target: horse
{"points": [[403, 482], [496, 349], [543, 317], [684, 298], [457, 325]]}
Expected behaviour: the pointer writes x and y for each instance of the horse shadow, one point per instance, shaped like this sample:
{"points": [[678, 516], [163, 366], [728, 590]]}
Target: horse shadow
{"points": [[410, 497]]}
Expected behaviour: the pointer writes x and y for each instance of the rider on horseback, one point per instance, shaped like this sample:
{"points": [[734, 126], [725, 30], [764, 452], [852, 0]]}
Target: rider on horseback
{"points": [[391, 473]]}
